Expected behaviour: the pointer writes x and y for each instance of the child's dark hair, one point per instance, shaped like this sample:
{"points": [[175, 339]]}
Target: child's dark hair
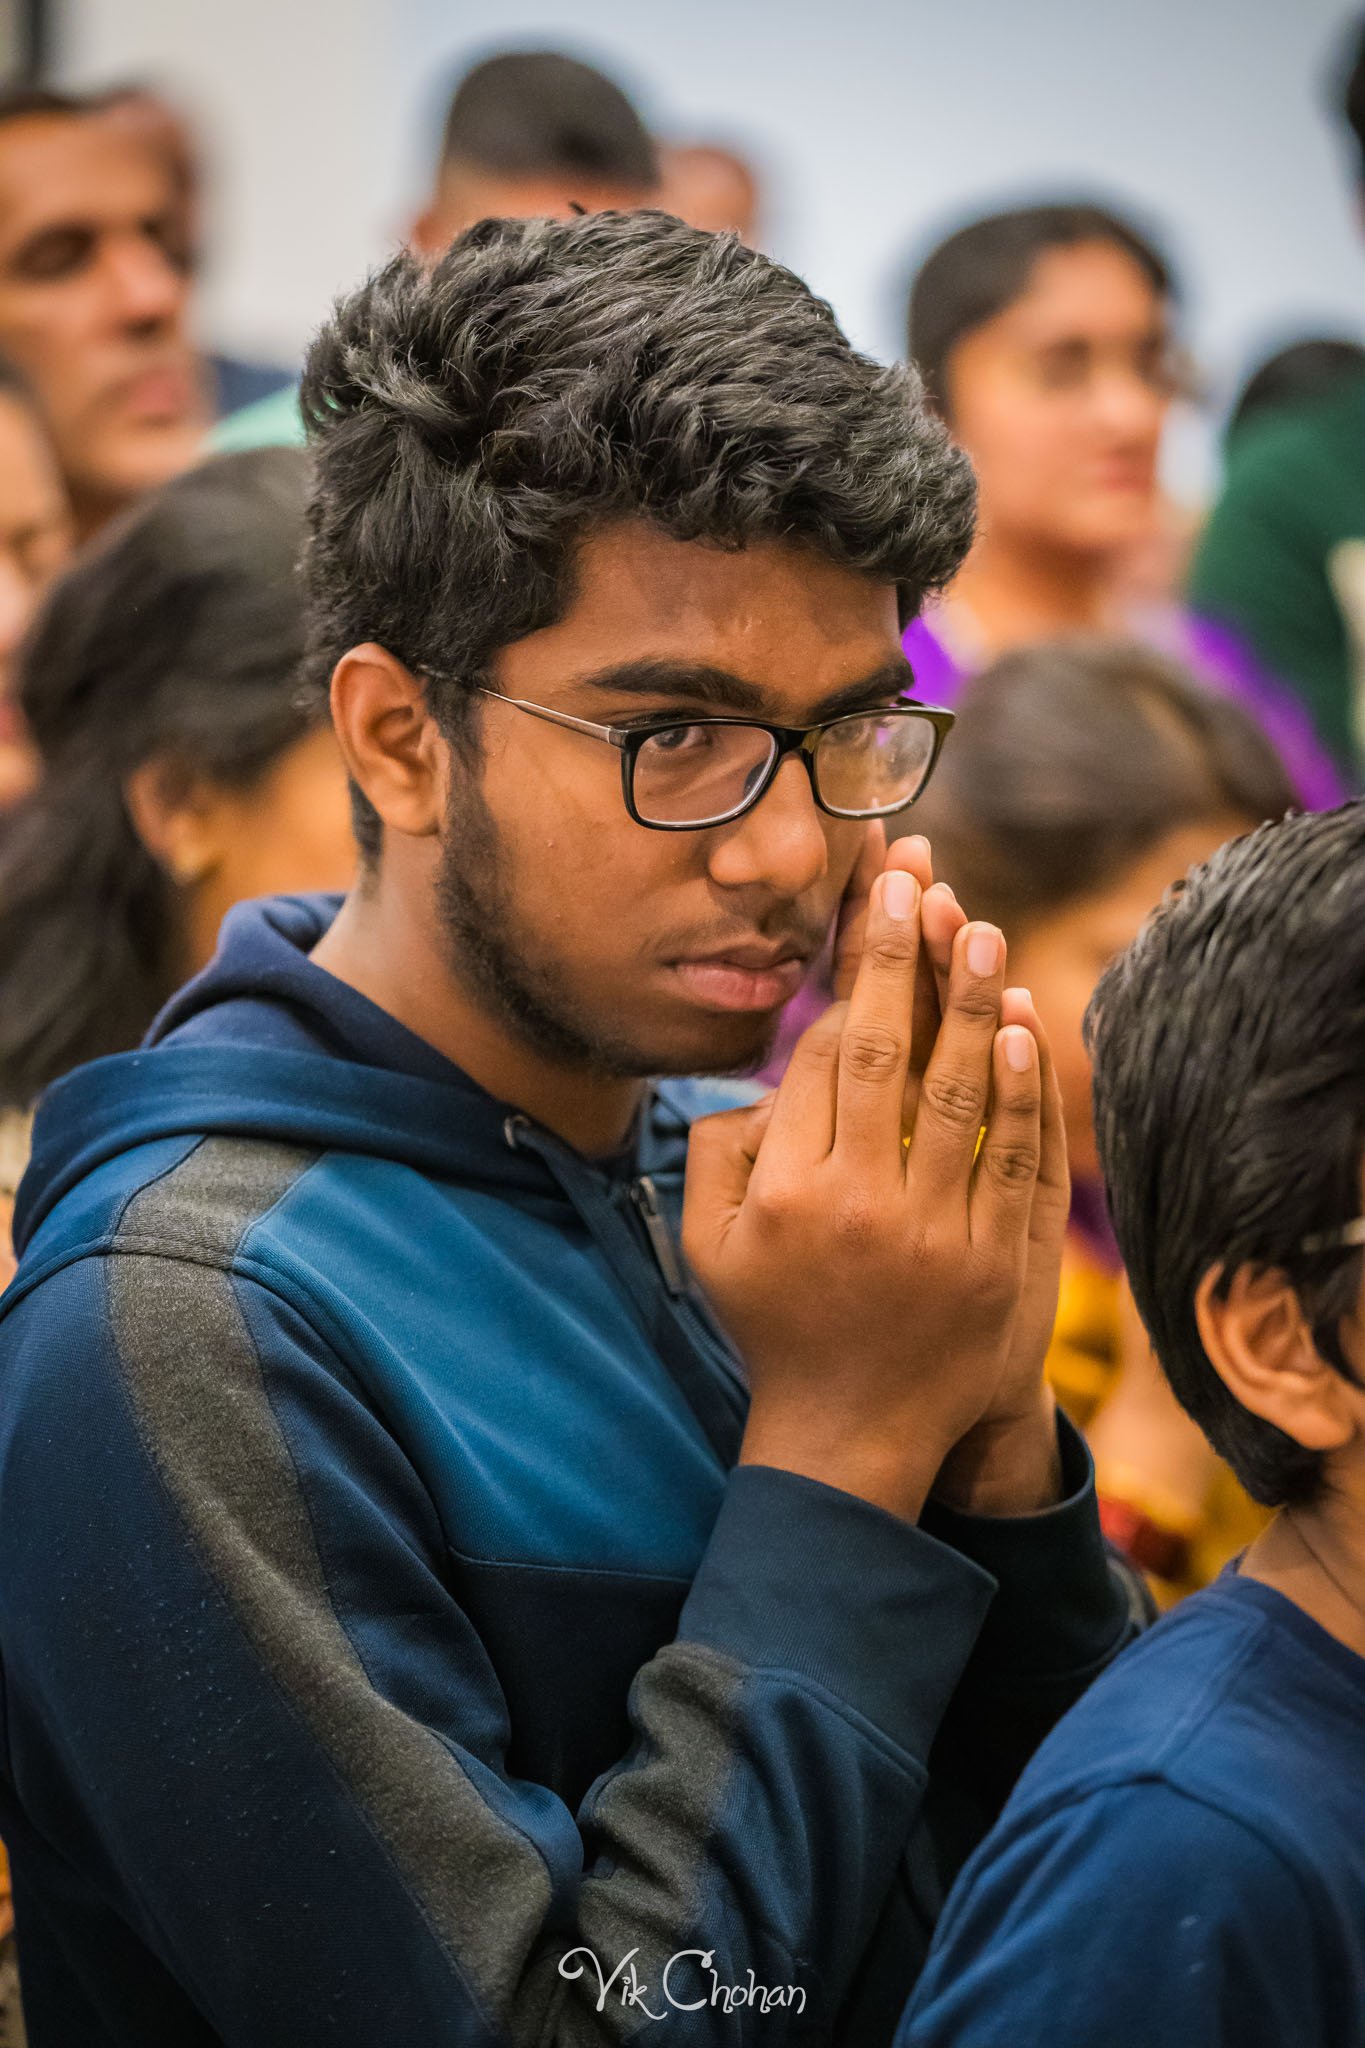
{"points": [[1069, 761], [1228, 1045], [178, 636]]}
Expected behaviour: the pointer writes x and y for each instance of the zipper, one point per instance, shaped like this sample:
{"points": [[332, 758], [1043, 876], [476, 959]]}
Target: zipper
{"points": [[689, 1345], [645, 1196], [645, 1199]]}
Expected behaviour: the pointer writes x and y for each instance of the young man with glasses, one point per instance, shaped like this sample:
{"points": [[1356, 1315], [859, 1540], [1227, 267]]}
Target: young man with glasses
{"points": [[429, 1614], [1184, 1860]]}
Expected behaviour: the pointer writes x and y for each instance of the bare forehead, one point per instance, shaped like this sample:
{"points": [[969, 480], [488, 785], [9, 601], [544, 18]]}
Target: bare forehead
{"points": [[57, 168], [471, 194], [746, 605], [779, 617], [1082, 288]]}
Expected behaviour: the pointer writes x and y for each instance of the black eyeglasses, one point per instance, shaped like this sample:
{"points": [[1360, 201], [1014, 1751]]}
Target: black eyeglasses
{"points": [[680, 776]]}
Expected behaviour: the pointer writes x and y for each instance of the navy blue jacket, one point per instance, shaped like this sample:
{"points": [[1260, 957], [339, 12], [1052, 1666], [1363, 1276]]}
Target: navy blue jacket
{"points": [[392, 1651]]}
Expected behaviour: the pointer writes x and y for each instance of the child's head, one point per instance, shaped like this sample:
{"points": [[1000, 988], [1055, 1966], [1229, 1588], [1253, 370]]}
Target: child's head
{"points": [[1080, 781], [1229, 1054]]}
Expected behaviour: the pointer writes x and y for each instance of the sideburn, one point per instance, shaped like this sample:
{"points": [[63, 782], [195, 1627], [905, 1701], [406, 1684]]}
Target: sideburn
{"points": [[502, 962]]}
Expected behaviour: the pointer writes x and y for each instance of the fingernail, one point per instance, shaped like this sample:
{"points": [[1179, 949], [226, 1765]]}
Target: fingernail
{"points": [[1018, 1045], [983, 950], [944, 890], [898, 895], [1020, 993]]}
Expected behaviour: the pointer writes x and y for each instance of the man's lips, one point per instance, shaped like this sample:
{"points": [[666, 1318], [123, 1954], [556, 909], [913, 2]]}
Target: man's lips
{"points": [[161, 392], [743, 977]]}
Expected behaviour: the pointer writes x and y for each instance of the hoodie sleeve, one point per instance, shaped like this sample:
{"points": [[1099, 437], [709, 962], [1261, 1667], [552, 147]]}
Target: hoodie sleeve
{"points": [[242, 1697], [1066, 1604]]}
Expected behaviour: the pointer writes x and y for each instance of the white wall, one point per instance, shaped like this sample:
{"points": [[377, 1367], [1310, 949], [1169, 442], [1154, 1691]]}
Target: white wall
{"points": [[877, 118]]}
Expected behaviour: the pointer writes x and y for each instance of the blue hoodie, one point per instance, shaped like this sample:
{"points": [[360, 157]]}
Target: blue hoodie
{"points": [[392, 1650]]}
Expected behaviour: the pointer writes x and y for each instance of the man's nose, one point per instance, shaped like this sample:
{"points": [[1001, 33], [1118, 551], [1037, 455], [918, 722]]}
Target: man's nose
{"points": [[780, 844], [145, 289]]}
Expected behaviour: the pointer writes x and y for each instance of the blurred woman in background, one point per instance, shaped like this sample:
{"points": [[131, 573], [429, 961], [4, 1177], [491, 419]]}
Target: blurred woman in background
{"points": [[35, 540], [179, 771], [1082, 780], [168, 768], [1045, 337]]}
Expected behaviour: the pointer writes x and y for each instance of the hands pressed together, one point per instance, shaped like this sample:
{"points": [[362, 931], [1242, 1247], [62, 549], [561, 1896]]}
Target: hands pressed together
{"points": [[887, 1269]]}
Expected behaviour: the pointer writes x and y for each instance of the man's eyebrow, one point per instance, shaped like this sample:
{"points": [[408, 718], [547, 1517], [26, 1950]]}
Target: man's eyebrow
{"points": [[895, 678], [700, 683], [695, 680]]}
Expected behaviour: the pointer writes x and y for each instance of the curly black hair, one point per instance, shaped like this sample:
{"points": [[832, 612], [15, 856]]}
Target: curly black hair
{"points": [[475, 421]]}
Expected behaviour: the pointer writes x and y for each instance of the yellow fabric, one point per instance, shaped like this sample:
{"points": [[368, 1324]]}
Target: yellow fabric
{"points": [[1083, 1358], [1083, 1366]]}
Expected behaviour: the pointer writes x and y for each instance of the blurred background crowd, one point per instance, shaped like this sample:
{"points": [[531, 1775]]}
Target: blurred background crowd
{"points": [[1128, 258]]}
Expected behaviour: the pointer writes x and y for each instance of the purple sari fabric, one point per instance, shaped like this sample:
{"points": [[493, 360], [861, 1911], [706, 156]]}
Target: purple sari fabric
{"points": [[1216, 656], [1213, 654], [1090, 1220]]}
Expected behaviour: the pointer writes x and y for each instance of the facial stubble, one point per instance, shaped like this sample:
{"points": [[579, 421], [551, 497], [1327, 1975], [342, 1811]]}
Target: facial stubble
{"points": [[504, 964]]}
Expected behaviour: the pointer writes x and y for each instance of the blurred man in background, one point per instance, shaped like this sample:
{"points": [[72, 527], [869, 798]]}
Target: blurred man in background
{"points": [[1283, 556], [35, 538], [533, 132], [711, 186], [94, 298], [151, 117], [527, 132]]}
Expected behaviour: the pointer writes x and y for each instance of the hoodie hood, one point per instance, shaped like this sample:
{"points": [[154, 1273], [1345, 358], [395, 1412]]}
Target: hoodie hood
{"points": [[264, 1044]]}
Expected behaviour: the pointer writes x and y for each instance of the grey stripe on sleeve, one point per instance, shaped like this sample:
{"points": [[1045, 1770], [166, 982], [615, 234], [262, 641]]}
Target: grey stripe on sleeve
{"points": [[197, 1388], [196, 1384]]}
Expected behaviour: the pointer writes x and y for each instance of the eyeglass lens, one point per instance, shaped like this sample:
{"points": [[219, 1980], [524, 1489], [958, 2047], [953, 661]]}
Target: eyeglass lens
{"points": [[701, 774], [874, 763]]}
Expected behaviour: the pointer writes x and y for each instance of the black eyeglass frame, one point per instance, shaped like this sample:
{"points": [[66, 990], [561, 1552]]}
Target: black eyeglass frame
{"points": [[790, 739]]}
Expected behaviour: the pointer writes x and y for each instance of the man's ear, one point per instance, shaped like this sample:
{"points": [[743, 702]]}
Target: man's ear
{"points": [[392, 746], [1257, 1339], [425, 237]]}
